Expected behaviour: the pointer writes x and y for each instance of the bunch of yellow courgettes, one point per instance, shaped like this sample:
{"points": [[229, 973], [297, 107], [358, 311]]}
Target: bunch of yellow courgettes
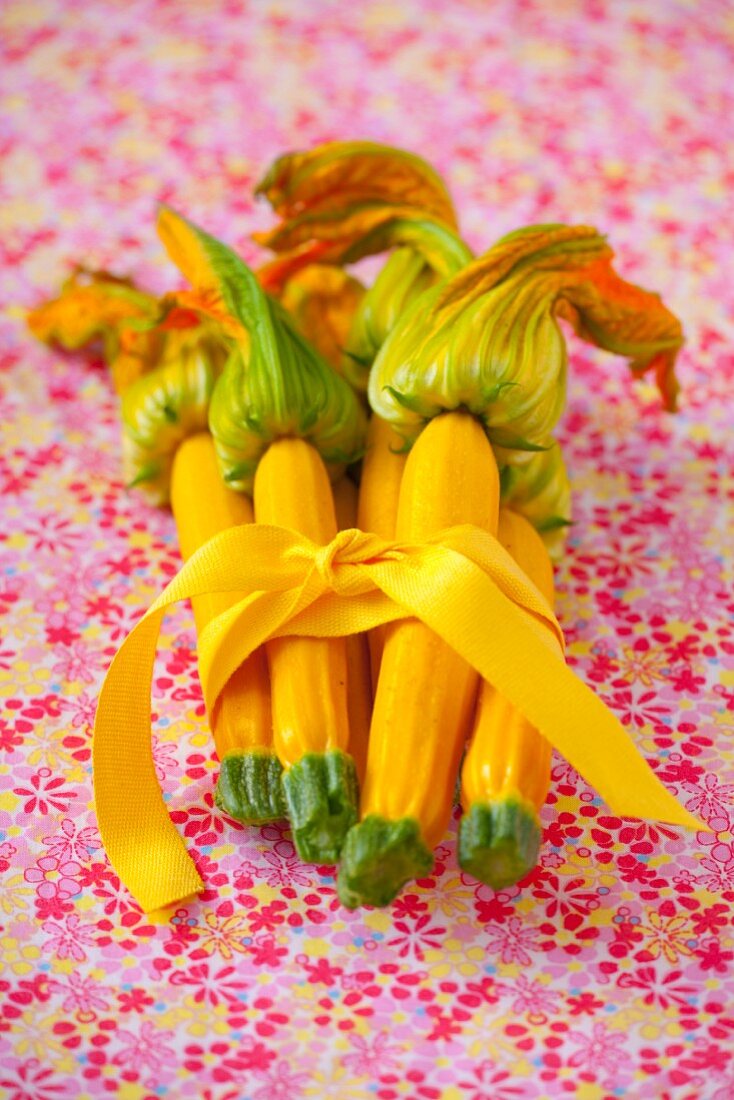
{"points": [[296, 396]]}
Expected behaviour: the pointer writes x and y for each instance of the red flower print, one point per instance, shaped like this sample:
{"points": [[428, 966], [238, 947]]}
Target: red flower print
{"points": [[371, 1057], [45, 793], [491, 1082], [82, 996], [712, 800], [268, 917], [144, 1050], [598, 1049], [513, 941], [712, 919], [408, 906], [568, 898], [201, 822], [229, 1062], [67, 940], [713, 958], [532, 998], [413, 937], [664, 989], [446, 1025], [585, 1004], [636, 708], [209, 986], [707, 1056], [264, 950], [73, 844], [78, 663], [719, 868], [485, 991], [50, 533], [321, 971], [281, 1083], [54, 907], [11, 734], [284, 867], [493, 910], [134, 1000], [31, 1081]]}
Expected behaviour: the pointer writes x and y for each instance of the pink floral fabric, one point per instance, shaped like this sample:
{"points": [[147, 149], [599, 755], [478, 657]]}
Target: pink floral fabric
{"points": [[608, 973]]}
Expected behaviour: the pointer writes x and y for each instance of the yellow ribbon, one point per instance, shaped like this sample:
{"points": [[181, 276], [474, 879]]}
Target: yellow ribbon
{"points": [[462, 584]]}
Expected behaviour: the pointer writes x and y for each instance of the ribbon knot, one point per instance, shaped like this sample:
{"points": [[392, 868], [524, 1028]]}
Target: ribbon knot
{"points": [[462, 584], [339, 562]]}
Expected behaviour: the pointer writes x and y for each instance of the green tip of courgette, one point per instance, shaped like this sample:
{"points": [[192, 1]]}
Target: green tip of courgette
{"points": [[378, 858], [250, 787], [321, 797], [499, 842]]}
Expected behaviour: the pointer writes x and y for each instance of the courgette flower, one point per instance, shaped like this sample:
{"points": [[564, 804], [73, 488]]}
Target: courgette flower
{"points": [[488, 339], [275, 384], [163, 407], [345, 200]]}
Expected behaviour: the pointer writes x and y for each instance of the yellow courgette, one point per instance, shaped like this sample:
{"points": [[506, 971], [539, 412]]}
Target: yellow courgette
{"points": [[249, 785], [506, 771], [426, 693]]}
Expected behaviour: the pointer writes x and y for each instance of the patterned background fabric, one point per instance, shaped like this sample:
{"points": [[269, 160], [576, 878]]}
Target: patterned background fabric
{"points": [[609, 972]]}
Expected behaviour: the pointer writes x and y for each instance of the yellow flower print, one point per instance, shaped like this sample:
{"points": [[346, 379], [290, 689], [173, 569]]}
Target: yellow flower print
{"points": [[667, 936], [14, 894], [642, 666], [17, 956], [222, 937], [34, 1038]]}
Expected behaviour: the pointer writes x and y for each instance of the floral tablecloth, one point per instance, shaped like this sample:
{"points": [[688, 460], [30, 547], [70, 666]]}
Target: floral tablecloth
{"points": [[609, 972]]}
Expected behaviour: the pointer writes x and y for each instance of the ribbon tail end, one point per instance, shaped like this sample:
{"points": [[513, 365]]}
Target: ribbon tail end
{"points": [[159, 903]]}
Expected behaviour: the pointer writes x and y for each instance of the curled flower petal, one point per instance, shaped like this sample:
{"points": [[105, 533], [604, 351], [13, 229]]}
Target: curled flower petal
{"points": [[343, 174], [97, 306], [627, 320], [345, 200]]}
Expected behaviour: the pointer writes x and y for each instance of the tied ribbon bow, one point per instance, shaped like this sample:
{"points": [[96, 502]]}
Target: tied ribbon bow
{"points": [[461, 583]]}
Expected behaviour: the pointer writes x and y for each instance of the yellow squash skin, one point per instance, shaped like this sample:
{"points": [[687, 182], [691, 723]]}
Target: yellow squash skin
{"points": [[203, 506], [359, 686], [506, 771], [382, 473], [308, 676], [426, 693], [379, 491]]}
